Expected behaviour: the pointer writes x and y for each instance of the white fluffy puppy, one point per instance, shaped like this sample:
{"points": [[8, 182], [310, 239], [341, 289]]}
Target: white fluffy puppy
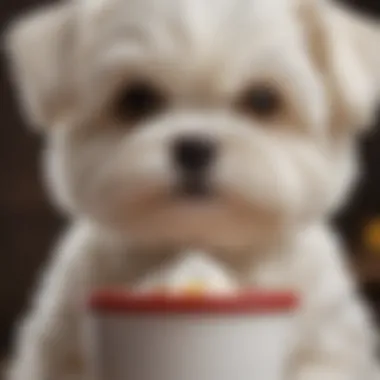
{"points": [[222, 125]]}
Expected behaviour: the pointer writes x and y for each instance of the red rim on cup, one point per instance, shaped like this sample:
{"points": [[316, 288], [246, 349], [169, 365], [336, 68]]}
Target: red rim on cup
{"points": [[249, 302]]}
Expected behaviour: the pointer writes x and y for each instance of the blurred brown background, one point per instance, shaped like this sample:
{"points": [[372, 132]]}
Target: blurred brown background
{"points": [[28, 224]]}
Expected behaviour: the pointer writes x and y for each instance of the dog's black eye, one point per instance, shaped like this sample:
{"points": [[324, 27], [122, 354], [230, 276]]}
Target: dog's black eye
{"points": [[139, 100], [261, 101]]}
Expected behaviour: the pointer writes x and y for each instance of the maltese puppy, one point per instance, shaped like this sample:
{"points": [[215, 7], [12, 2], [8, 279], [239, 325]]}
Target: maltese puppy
{"points": [[225, 126]]}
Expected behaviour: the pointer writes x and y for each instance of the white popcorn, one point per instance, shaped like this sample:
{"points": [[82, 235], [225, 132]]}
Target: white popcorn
{"points": [[194, 272]]}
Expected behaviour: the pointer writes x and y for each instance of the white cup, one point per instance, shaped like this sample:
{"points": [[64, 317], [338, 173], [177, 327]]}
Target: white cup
{"points": [[152, 337]]}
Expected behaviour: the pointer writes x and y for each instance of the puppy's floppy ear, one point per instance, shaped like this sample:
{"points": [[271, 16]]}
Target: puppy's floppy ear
{"points": [[40, 49], [346, 47]]}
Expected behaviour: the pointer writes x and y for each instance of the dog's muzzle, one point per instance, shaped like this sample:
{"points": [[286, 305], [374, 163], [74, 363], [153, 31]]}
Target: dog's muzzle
{"points": [[193, 157]]}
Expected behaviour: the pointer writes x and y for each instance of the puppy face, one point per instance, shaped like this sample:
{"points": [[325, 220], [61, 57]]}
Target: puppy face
{"points": [[189, 122]]}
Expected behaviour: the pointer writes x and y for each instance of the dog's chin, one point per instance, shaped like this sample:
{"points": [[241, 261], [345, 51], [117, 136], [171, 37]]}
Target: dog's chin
{"points": [[197, 220]]}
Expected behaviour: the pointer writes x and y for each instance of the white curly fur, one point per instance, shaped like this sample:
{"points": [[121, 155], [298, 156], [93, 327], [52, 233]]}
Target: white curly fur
{"points": [[277, 180]]}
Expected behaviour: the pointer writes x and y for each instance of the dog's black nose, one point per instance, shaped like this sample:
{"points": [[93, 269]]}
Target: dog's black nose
{"points": [[193, 154]]}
